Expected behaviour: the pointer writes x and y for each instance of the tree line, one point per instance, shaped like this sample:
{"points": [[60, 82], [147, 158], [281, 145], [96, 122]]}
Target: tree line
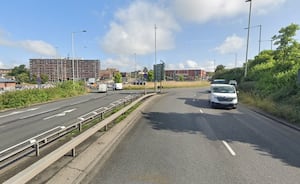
{"points": [[272, 74]]}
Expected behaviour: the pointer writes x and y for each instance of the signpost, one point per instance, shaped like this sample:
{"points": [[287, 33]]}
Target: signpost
{"points": [[159, 73]]}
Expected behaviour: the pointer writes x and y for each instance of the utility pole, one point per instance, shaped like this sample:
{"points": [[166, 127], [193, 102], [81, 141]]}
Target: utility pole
{"points": [[247, 47]]}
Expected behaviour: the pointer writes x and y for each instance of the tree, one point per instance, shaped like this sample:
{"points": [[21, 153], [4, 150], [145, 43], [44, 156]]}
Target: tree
{"points": [[44, 78], [181, 78], [285, 40], [117, 77], [150, 75], [220, 68], [22, 77], [18, 70]]}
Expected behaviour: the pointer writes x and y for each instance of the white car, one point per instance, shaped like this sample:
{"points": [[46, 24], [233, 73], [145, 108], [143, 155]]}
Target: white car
{"points": [[223, 95]]}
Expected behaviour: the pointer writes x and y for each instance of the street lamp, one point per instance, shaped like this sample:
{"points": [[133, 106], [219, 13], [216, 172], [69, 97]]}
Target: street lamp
{"points": [[249, 19], [73, 54], [155, 81]]}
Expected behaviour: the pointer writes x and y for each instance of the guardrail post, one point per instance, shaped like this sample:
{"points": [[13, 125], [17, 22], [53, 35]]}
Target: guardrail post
{"points": [[37, 149], [79, 126], [73, 152], [106, 127], [102, 115]]}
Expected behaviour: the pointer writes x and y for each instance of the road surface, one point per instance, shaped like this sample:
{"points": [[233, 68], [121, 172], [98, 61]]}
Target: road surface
{"points": [[21, 124], [180, 139]]}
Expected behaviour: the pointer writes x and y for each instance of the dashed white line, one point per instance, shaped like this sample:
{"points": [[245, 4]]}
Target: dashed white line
{"points": [[18, 112], [60, 114], [229, 148], [201, 111]]}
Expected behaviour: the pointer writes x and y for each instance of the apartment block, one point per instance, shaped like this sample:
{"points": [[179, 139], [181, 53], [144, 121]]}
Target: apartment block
{"points": [[65, 68]]}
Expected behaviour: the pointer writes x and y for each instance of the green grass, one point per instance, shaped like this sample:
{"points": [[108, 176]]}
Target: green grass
{"points": [[281, 110], [168, 84]]}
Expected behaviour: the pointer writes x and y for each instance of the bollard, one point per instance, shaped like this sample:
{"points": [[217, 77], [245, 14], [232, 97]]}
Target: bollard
{"points": [[79, 126]]}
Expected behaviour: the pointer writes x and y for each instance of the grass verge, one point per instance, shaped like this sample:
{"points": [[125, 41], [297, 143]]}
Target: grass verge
{"points": [[281, 110]]}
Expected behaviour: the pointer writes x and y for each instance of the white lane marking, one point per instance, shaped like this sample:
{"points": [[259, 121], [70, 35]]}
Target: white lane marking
{"points": [[18, 112], [201, 111], [229, 148], [60, 114]]}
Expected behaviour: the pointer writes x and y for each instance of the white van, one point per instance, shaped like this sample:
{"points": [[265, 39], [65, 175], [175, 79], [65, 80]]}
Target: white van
{"points": [[102, 88], [118, 86], [223, 95]]}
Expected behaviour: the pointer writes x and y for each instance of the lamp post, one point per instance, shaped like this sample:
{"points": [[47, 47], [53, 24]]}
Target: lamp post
{"points": [[249, 19], [73, 55], [155, 76]]}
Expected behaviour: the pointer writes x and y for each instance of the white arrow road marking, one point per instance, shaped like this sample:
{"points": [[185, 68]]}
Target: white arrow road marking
{"points": [[229, 148], [18, 112], [60, 114]]}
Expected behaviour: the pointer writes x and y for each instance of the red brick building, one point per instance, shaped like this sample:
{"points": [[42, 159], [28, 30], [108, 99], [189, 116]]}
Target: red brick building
{"points": [[187, 74], [6, 84]]}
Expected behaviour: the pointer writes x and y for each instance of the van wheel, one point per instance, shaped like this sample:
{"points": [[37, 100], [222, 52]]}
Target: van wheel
{"points": [[212, 105]]}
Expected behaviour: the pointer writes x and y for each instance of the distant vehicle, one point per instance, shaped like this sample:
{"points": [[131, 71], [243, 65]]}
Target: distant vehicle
{"points": [[139, 82], [233, 82], [118, 86], [98, 87], [223, 95], [91, 81], [102, 88], [219, 81]]}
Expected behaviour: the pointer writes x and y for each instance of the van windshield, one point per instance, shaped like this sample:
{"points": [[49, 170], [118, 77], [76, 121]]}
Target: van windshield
{"points": [[223, 89]]}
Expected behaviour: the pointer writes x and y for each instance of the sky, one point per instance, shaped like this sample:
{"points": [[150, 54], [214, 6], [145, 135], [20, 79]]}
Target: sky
{"points": [[130, 35]]}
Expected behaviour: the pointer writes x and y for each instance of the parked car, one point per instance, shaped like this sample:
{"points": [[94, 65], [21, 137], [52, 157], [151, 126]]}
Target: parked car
{"points": [[139, 82], [223, 95]]}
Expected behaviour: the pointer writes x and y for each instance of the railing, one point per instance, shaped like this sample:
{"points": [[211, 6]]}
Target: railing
{"points": [[34, 144]]}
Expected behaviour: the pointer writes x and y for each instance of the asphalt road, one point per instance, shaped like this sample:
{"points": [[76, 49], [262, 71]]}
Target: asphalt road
{"points": [[181, 140], [21, 124]]}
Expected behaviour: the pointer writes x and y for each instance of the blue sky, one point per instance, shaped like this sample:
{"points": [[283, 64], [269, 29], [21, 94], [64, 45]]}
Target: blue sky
{"points": [[120, 33]]}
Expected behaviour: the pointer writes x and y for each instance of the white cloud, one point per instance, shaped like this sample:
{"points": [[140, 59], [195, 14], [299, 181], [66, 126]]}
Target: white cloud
{"points": [[201, 11], [38, 46], [190, 64], [2, 65], [132, 31], [122, 62], [231, 44], [35, 46]]}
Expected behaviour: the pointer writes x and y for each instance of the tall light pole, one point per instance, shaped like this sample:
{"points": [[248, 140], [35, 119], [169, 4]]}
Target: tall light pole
{"points": [[73, 55], [259, 38], [135, 66], [155, 81], [249, 19]]}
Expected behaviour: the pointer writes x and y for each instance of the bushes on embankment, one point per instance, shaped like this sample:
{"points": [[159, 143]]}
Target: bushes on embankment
{"points": [[27, 97]]}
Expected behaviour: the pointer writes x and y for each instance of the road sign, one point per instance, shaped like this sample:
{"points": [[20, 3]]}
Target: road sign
{"points": [[159, 72]]}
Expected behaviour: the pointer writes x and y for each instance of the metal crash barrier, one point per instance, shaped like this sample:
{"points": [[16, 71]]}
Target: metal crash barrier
{"points": [[34, 144]]}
